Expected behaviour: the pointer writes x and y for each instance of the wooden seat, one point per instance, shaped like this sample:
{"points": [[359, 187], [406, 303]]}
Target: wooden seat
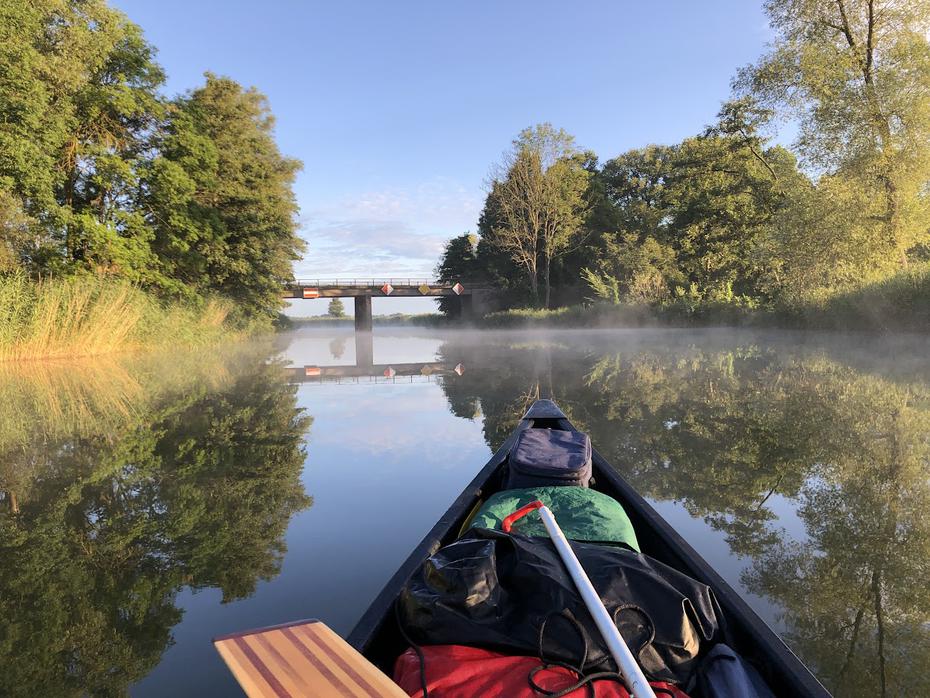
{"points": [[304, 658]]}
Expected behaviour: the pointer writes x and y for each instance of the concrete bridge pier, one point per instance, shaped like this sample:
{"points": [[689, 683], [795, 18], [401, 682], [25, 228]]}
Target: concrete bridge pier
{"points": [[363, 313]]}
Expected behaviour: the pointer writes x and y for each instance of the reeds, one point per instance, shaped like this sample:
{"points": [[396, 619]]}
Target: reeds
{"points": [[88, 316]]}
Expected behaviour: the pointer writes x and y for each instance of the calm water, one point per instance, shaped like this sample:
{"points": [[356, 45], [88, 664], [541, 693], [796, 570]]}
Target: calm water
{"points": [[148, 506]]}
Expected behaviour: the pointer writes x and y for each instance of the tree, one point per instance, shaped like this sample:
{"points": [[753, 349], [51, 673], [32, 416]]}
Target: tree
{"points": [[702, 211], [220, 197], [538, 192], [336, 308], [458, 263], [856, 76], [77, 104], [632, 270], [722, 191]]}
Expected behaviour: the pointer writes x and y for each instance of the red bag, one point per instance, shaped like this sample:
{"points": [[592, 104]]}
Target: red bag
{"points": [[457, 671]]}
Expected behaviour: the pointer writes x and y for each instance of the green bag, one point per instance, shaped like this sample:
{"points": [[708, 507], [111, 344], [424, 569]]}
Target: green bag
{"points": [[582, 514]]}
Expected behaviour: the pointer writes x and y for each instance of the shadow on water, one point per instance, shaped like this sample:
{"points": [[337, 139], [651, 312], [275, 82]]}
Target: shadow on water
{"points": [[726, 426], [122, 483]]}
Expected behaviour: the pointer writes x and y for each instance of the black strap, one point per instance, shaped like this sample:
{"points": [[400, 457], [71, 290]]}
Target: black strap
{"points": [[415, 647], [584, 681], [587, 681]]}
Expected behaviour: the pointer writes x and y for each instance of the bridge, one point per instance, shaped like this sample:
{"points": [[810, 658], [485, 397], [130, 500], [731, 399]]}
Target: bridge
{"points": [[472, 299]]}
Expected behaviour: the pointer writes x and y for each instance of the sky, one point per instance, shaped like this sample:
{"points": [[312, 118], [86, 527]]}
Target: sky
{"points": [[399, 109]]}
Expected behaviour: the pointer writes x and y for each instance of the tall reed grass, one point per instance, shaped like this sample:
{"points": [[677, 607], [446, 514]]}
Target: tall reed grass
{"points": [[88, 316]]}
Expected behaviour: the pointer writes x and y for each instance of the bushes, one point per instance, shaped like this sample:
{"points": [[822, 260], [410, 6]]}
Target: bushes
{"points": [[91, 315], [898, 303]]}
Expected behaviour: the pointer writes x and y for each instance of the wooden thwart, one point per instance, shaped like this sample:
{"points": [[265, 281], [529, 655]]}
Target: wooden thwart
{"points": [[304, 658]]}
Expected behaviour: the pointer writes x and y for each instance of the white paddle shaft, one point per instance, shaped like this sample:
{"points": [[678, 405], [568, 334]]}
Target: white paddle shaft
{"points": [[636, 681]]}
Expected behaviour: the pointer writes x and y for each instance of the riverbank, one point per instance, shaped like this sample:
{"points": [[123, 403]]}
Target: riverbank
{"points": [[89, 316], [900, 303]]}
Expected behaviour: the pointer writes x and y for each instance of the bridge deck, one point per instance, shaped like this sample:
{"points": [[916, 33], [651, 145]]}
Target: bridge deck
{"points": [[348, 288]]}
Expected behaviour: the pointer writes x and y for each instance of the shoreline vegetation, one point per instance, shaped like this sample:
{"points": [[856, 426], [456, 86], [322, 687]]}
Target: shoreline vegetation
{"points": [[131, 218], [732, 225], [900, 303], [83, 316]]}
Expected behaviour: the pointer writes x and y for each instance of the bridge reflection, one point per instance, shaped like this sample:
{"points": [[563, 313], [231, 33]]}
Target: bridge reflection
{"points": [[381, 373], [365, 368]]}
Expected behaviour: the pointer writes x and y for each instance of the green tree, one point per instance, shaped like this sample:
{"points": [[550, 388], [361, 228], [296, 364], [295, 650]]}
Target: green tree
{"points": [[722, 193], [220, 197], [77, 104], [856, 76], [539, 192], [632, 270], [696, 217], [336, 308]]}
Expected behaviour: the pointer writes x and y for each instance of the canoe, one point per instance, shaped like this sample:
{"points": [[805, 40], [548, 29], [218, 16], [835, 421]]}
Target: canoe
{"points": [[378, 638]]}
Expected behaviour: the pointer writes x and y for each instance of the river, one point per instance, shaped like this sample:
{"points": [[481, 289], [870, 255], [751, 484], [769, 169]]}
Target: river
{"points": [[147, 505]]}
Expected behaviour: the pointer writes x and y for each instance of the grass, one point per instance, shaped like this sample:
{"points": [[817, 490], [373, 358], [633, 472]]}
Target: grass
{"points": [[89, 316], [599, 315], [900, 303]]}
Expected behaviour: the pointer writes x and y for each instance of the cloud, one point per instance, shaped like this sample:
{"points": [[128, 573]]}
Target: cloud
{"points": [[393, 232]]}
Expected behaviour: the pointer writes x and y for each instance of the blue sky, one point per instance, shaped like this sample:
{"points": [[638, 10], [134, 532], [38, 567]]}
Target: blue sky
{"points": [[399, 109]]}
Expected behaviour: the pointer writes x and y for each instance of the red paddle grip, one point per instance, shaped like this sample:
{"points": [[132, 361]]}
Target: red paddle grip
{"points": [[509, 521]]}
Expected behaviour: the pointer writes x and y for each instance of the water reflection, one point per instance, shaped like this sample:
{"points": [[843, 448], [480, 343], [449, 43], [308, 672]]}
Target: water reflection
{"points": [[119, 490], [724, 429], [797, 464]]}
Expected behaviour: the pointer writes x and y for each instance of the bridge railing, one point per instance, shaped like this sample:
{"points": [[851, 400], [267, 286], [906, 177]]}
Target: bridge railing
{"points": [[367, 283]]}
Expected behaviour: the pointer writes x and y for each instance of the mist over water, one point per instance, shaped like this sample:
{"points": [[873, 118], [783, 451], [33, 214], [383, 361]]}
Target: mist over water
{"points": [[149, 505]]}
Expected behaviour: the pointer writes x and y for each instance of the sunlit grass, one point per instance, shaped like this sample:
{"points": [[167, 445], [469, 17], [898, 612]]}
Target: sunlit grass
{"points": [[89, 316]]}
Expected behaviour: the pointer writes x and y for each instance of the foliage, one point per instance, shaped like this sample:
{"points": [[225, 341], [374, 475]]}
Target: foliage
{"points": [[100, 173], [724, 222], [538, 195], [892, 304], [220, 197], [458, 263], [633, 270], [856, 75], [336, 309]]}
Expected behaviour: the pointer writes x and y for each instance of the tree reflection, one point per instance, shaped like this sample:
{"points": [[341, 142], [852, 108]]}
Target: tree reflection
{"points": [[195, 491], [856, 597], [729, 429]]}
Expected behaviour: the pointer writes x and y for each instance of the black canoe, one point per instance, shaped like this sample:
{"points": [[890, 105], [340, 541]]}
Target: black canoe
{"points": [[376, 635]]}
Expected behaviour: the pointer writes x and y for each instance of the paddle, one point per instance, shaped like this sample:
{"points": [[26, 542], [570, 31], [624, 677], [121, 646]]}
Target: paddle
{"points": [[635, 680]]}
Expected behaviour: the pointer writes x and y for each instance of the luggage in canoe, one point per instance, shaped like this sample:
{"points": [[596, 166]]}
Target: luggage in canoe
{"points": [[730, 644]]}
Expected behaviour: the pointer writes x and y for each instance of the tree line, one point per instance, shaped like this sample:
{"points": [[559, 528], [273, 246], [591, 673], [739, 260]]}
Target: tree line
{"points": [[729, 216], [101, 173]]}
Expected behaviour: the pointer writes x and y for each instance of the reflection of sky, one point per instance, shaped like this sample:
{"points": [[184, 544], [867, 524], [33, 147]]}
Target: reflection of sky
{"points": [[314, 347], [384, 463], [386, 459]]}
